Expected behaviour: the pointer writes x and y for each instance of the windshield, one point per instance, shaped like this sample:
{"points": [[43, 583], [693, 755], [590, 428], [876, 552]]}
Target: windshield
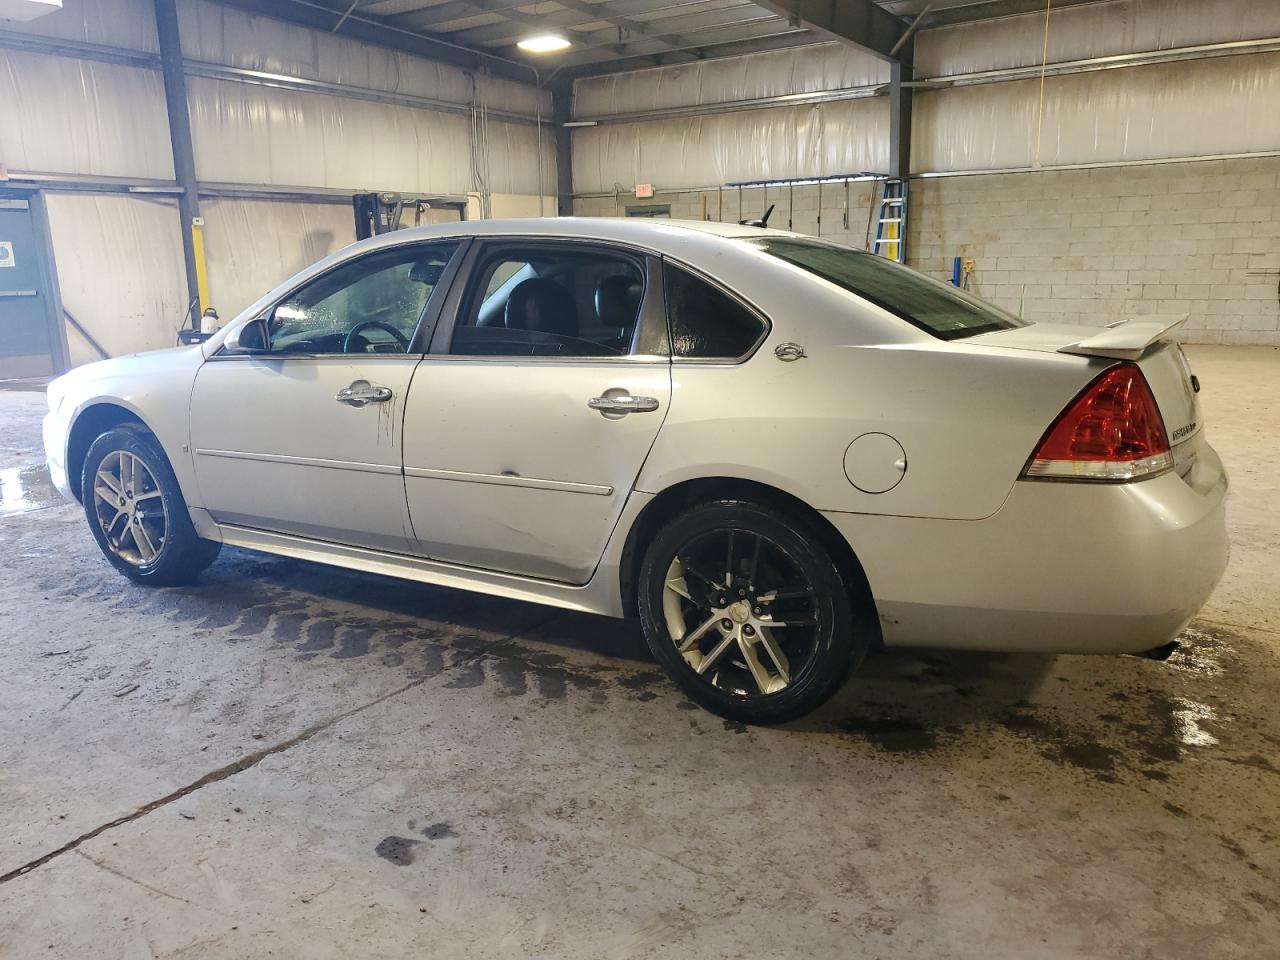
{"points": [[935, 307]]}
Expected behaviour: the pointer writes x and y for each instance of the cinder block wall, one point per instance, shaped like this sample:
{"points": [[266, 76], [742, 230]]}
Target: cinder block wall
{"points": [[1067, 246], [1092, 246]]}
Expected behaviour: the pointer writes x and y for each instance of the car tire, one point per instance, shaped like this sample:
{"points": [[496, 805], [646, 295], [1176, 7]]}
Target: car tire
{"points": [[136, 511], [710, 622]]}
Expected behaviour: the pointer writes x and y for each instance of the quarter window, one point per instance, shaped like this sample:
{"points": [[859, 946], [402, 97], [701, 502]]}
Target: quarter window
{"points": [[369, 305], [707, 323], [551, 300]]}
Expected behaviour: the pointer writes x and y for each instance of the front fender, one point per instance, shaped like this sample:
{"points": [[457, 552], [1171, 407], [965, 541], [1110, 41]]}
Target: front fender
{"points": [[153, 388]]}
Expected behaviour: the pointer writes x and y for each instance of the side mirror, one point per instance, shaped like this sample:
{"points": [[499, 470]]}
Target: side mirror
{"points": [[249, 339]]}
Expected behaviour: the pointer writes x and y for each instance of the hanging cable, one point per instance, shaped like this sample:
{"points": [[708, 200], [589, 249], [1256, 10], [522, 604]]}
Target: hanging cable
{"points": [[1044, 61]]}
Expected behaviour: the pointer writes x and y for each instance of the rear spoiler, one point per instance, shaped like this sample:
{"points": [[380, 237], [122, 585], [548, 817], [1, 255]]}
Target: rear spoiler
{"points": [[1127, 339]]}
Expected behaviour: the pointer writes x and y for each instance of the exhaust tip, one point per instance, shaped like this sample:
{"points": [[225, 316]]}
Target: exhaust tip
{"points": [[1161, 653]]}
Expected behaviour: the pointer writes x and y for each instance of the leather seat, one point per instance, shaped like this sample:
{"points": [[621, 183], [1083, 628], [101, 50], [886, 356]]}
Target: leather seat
{"points": [[543, 306], [617, 300]]}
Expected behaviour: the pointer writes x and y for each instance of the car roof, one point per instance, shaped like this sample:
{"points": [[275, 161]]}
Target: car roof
{"points": [[664, 236]]}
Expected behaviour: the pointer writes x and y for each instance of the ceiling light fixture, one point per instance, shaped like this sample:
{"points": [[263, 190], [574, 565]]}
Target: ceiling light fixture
{"points": [[544, 43]]}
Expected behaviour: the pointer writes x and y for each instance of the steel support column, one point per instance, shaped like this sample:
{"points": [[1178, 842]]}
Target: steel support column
{"points": [[184, 163], [562, 113], [900, 118]]}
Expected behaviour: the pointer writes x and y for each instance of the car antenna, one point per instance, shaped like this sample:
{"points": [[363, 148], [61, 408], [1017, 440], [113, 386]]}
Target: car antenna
{"points": [[762, 222]]}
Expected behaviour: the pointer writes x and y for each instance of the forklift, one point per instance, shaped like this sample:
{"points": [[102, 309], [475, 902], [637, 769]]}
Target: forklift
{"points": [[378, 213]]}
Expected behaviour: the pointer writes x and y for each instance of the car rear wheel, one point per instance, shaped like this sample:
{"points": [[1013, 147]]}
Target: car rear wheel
{"points": [[747, 612], [136, 511]]}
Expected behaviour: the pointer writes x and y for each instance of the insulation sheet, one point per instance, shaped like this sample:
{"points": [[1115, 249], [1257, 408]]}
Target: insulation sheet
{"points": [[803, 70], [253, 245], [1092, 30], [227, 35], [60, 115], [828, 139], [113, 23], [1189, 109], [120, 272]]}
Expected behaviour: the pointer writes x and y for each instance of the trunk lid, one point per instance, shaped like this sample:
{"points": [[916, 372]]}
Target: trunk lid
{"points": [[1150, 342]]}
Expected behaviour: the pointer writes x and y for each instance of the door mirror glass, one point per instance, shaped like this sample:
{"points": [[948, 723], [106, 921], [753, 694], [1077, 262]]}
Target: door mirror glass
{"points": [[251, 338]]}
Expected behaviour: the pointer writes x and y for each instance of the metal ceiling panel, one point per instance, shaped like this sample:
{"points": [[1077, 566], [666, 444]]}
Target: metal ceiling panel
{"points": [[607, 35]]}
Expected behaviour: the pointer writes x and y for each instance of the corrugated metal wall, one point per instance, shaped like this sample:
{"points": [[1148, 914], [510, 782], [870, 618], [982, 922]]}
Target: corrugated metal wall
{"points": [[1191, 108], [1082, 219], [64, 116]]}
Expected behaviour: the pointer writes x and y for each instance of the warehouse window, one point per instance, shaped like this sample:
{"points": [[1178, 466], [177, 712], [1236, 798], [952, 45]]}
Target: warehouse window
{"points": [[707, 323]]}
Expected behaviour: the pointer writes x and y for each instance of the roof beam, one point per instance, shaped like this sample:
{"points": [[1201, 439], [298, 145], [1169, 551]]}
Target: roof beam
{"points": [[991, 10], [601, 11], [713, 51], [500, 33], [452, 10], [677, 27], [311, 13], [474, 36], [858, 23]]}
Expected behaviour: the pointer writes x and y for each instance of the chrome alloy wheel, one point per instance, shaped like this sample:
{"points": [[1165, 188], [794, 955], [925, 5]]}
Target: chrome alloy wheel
{"points": [[740, 612], [130, 508]]}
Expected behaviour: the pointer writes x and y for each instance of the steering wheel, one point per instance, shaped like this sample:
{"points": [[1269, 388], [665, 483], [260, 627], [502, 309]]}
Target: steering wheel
{"points": [[382, 325]]}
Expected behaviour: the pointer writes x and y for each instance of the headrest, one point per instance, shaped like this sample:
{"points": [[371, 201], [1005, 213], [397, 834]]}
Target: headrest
{"points": [[542, 305], [617, 299], [426, 271]]}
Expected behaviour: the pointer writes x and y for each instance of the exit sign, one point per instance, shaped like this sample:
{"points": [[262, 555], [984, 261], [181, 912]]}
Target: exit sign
{"points": [[644, 191]]}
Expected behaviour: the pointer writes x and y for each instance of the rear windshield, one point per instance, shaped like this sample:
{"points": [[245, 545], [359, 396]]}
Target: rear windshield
{"points": [[935, 307]]}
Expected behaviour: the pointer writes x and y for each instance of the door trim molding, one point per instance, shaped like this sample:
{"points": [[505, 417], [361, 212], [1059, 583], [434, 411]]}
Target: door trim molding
{"points": [[509, 480], [354, 465]]}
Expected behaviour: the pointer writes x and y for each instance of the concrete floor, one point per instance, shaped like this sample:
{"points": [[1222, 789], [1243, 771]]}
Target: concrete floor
{"points": [[291, 761]]}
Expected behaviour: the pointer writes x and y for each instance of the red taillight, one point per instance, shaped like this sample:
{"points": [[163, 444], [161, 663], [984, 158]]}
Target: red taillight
{"points": [[1112, 431]]}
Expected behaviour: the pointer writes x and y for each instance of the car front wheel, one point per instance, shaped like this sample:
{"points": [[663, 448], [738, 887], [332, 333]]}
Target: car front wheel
{"points": [[136, 510], [747, 612]]}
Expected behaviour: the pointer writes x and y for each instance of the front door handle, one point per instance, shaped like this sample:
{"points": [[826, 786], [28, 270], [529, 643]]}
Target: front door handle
{"points": [[362, 393], [623, 404]]}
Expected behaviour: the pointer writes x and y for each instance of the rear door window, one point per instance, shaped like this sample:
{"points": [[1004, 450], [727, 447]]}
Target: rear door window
{"points": [[547, 299]]}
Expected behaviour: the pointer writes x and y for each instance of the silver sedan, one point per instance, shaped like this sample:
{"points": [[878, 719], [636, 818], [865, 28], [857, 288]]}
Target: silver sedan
{"points": [[776, 451]]}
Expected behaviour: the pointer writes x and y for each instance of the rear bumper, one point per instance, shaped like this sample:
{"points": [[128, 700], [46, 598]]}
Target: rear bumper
{"points": [[1060, 568]]}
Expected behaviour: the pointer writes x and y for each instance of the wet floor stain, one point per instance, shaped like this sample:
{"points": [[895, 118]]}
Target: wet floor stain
{"points": [[397, 850], [23, 489], [1137, 727], [891, 733], [438, 831]]}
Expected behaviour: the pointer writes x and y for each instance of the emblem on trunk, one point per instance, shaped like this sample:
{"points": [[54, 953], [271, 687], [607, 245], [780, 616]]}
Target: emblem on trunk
{"points": [[787, 352]]}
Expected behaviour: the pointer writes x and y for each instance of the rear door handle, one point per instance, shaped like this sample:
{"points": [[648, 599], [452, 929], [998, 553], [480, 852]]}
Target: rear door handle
{"points": [[623, 404], [361, 393]]}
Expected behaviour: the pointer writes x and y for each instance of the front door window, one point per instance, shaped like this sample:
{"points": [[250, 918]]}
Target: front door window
{"points": [[370, 305]]}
